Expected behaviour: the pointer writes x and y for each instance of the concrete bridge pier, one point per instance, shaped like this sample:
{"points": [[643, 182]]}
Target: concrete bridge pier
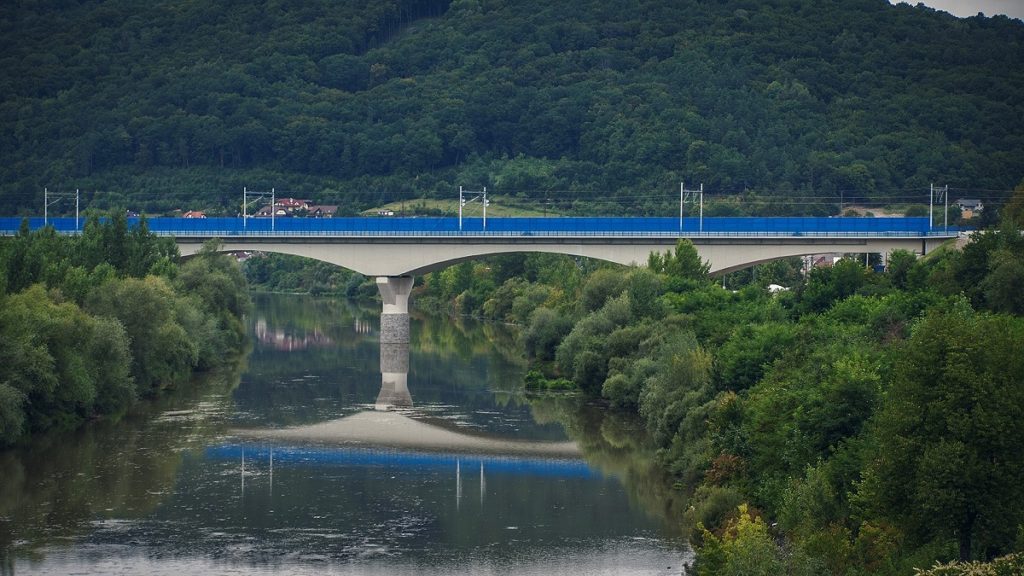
{"points": [[394, 342], [394, 318]]}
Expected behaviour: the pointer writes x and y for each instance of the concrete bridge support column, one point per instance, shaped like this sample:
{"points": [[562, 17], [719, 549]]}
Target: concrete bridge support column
{"points": [[394, 318], [394, 342]]}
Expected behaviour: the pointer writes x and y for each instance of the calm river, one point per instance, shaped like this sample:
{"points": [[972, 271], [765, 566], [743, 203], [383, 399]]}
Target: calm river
{"points": [[308, 460]]}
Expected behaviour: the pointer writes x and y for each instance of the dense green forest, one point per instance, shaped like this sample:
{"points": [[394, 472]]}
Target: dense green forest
{"points": [[861, 422], [91, 323], [793, 105]]}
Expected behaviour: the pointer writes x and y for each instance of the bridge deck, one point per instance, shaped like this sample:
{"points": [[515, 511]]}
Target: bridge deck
{"points": [[563, 227], [390, 246]]}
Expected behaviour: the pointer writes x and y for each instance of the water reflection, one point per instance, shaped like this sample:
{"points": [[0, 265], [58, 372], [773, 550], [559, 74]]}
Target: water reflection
{"points": [[281, 340], [617, 445], [63, 484], [394, 377], [407, 432], [290, 468], [287, 456]]}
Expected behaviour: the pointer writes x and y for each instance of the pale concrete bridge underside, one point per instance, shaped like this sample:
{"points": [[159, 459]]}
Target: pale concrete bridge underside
{"points": [[411, 256]]}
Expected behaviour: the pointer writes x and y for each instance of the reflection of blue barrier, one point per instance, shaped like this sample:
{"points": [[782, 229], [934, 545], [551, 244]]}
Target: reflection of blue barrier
{"points": [[291, 456], [589, 226]]}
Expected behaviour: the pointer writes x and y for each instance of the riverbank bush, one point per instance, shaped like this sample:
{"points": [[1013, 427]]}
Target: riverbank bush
{"points": [[1009, 565], [537, 382], [91, 323]]}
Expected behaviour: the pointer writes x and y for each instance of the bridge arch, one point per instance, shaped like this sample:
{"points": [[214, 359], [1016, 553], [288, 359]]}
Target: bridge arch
{"points": [[392, 257]]}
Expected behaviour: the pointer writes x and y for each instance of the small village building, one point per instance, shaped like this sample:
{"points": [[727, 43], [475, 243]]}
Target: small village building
{"points": [[824, 260], [321, 211], [289, 206], [969, 207]]}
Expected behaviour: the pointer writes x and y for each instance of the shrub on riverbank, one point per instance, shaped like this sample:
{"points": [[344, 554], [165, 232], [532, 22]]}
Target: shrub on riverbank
{"points": [[537, 382], [91, 323], [1009, 565]]}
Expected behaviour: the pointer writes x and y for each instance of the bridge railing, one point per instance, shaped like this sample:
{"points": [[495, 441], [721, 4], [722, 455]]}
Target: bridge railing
{"points": [[228, 234], [515, 227]]}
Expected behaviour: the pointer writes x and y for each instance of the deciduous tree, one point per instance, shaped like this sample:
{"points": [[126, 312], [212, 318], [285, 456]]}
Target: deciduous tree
{"points": [[950, 459]]}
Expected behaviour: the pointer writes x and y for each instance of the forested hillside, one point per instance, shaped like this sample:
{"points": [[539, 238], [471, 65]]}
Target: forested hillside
{"points": [[167, 104]]}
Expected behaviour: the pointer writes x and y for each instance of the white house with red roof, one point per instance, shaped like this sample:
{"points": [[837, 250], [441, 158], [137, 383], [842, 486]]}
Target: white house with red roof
{"points": [[290, 205]]}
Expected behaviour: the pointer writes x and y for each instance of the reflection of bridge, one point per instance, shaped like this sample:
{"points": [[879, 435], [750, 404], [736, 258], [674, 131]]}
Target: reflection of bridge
{"points": [[287, 454], [394, 376], [396, 249], [385, 436], [399, 431]]}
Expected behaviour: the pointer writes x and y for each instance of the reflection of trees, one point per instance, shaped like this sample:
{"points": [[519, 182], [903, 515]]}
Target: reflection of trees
{"points": [[346, 369], [278, 339], [57, 485], [464, 338], [300, 320], [617, 445]]}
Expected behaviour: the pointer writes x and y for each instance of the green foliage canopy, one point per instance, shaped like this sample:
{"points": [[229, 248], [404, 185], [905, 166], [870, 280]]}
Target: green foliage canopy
{"points": [[155, 105], [950, 458], [87, 329]]}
